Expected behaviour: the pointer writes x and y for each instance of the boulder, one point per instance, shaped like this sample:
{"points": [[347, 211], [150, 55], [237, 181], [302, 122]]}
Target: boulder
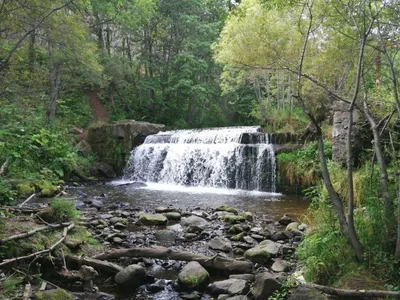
{"points": [[193, 276], [195, 221], [303, 293], [272, 247], [165, 237], [285, 220], [292, 226], [233, 219], [131, 277], [229, 286], [219, 243], [163, 209], [264, 286], [156, 219], [258, 255]]}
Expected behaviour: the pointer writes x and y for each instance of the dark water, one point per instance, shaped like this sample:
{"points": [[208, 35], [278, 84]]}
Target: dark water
{"points": [[271, 205]]}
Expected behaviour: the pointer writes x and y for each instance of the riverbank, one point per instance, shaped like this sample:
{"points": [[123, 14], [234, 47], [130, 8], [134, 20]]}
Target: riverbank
{"points": [[247, 239]]}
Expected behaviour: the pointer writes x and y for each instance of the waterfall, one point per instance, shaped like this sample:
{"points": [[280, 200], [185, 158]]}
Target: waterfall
{"points": [[231, 157]]}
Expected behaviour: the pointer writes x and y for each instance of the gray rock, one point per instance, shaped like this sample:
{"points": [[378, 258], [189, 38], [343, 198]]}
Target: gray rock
{"points": [[285, 220], [280, 265], [119, 225], [237, 297], [279, 236], [194, 229], [173, 216], [219, 243], [249, 240], [247, 277], [193, 276], [156, 219], [194, 220], [264, 286], [262, 253], [165, 237], [190, 236], [292, 226], [303, 293], [192, 296], [302, 227], [176, 228], [229, 286], [117, 240], [131, 277], [163, 209], [272, 247]]}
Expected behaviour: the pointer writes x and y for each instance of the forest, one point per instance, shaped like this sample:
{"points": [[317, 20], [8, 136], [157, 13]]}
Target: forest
{"points": [[283, 65]]}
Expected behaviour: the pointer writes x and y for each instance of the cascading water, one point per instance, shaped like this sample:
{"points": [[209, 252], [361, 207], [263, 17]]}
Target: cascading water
{"points": [[233, 157]]}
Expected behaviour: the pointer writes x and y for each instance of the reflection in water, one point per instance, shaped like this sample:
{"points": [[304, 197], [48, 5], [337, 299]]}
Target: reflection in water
{"points": [[270, 204]]}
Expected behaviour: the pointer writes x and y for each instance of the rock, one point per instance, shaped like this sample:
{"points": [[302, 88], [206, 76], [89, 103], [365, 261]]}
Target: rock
{"points": [[235, 229], [302, 227], [256, 230], [233, 219], [227, 208], [156, 219], [288, 234], [219, 243], [84, 147], [258, 255], [238, 251], [193, 276], [175, 228], [258, 237], [272, 247], [103, 296], [194, 229], [165, 237], [237, 237], [264, 286], [192, 296], [103, 169], [249, 240], [117, 240], [279, 236], [119, 225], [194, 221], [237, 297], [131, 277], [247, 277], [191, 236], [229, 286], [58, 294], [247, 215], [285, 220], [173, 216], [303, 293], [292, 226], [157, 286], [163, 209], [280, 265]]}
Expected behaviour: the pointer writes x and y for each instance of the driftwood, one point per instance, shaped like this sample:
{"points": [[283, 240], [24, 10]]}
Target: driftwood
{"points": [[39, 253], [27, 291], [353, 294], [32, 232], [27, 200], [95, 263], [215, 262]]}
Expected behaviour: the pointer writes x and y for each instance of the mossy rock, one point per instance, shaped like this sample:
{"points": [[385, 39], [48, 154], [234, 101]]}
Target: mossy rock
{"points": [[25, 189], [155, 219], [235, 229], [227, 208], [193, 276], [58, 294], [247, 215], [293, 226], [258, 255], [47, 189], [237, 237], [173, 216], [232, 219]]}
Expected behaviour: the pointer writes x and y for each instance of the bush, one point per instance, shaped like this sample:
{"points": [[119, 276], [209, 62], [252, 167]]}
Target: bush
{"points": [[60, 210]]}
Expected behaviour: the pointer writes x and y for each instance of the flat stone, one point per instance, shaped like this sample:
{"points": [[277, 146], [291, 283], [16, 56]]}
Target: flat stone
{"points": [[229, 286], [119, 226], [163, 209], [194, 220], [156, 219], [173, 216], [280, 265], [219, 243]]}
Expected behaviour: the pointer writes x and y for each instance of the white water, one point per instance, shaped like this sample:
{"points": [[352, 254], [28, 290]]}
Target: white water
{"points": [[233, 158]]}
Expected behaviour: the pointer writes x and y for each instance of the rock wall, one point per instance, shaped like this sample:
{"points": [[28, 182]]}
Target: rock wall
{"points": [[114, 142]]}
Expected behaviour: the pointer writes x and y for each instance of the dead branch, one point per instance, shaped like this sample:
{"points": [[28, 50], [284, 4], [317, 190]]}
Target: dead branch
{"points": [[25, 210], [95, 263], [39, 253], [4, 166], [352, 294], [27, 200], [32, 232], [217, 262]]}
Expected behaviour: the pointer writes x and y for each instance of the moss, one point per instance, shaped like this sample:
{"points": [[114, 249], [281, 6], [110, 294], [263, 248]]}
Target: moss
{"points": [[238, 237], [227, 208], [11, 284], [58, 294], [194, 281], [25, 189], [230, 219], [47, 189], [247, 215], [235, 229]]}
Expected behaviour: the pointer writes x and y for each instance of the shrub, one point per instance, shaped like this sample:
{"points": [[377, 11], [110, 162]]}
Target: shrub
{"points": [[60, 210]]}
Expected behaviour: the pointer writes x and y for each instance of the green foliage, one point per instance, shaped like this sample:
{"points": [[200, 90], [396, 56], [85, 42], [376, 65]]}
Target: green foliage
{"points": [[61, 210], [283, 292], [302, 166], [7, 194], [11, 284]]}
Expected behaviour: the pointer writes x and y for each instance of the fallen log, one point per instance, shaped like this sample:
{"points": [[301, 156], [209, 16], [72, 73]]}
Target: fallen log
{"points": [[32, 232], [24, 210], [216, 262], [39, 253], [27, 200], [95, 263], [353, 294]]}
